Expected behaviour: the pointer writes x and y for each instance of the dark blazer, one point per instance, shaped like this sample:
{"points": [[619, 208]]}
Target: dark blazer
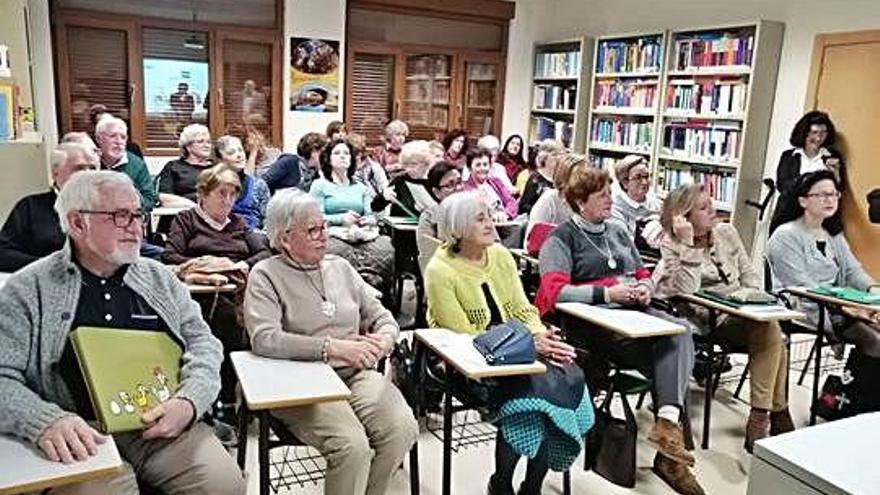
{"points": [[787, 173]]}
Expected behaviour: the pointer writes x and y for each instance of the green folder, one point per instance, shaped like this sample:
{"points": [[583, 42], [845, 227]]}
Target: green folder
{"points": [[127, 373], [847, 294], [730, 301]]}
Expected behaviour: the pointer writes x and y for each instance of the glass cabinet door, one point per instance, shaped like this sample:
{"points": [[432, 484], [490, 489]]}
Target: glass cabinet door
{"points": [[481, 97], [426, 95]]}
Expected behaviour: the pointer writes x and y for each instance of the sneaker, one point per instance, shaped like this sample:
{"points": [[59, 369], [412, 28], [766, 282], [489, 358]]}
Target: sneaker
{"points": [[757, 427], [781, 422], [678, 476], [667, 438]]}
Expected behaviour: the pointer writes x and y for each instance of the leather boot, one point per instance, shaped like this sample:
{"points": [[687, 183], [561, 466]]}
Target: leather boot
{"points": [[678, 476], [757, 427], [667, 438], [780, 422]]}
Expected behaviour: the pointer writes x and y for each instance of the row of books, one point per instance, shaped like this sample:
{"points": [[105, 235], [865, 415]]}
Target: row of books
{"points": [[621, 133], [634, 94], [708, 97], [713, 50], [558, 64], [637, 55], [719, 185], [603, 162], [703, 141], [554, 97], [547, 128]]}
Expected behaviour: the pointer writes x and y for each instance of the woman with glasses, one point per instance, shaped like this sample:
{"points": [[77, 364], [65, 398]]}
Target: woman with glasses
{"points": [[634, 204], [444, 179], [307, 305], [177, 181], [809, 250], [698, 253], [813, 139], [212, 244]]}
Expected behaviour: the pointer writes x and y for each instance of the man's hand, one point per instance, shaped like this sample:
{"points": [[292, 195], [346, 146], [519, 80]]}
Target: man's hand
{"points": [[168, 419], [69, 439]]}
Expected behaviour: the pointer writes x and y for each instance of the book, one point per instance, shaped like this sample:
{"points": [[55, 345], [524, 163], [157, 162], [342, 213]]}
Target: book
{"points": [[848, 294], [127, 373]]}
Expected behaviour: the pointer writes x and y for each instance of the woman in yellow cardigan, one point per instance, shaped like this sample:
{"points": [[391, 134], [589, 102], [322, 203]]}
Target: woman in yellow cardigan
{"points": [[472, 284]]}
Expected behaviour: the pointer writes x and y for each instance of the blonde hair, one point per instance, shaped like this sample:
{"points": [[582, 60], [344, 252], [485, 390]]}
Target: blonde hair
{"points": [[415, 154], [679, 202], [188, 136], [627, 163], [212, 178], [396, 127], [565, 162]]}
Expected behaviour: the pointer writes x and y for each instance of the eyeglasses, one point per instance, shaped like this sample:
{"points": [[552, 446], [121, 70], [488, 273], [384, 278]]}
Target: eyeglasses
{"points": [[825, 195], [451, 185], [121, 218], [317, 231], [639, 177]]}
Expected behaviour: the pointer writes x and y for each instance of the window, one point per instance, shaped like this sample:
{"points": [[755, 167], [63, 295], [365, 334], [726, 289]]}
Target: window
{"points": [[162, 75]]}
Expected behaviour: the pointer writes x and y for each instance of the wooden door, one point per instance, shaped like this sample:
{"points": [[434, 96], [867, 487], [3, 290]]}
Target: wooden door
{"points": [[845, 82], [479, 106], [373, 75], [428, 99]]}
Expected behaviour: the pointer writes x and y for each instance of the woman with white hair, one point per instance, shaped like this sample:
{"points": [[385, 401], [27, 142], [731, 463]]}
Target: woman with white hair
{"points": [[177, 181], [472, 283], [307, 305], [388, 153], [251, 203], [407, 193]]}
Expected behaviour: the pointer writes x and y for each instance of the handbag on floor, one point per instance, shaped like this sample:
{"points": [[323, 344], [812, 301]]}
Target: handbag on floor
{"points": [[610, 446]]}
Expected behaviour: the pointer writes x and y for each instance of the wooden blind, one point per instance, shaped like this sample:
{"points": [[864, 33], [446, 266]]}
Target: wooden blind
{"points": [[371, 95], [247, 86], [168, 109], [98, 73]]}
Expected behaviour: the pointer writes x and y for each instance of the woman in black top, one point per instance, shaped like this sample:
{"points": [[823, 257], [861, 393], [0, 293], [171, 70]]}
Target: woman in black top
{"points": [[813, 138]]}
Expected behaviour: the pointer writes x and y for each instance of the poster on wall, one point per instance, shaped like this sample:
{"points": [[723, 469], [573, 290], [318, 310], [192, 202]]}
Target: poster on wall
{"points": [[314, 75]]}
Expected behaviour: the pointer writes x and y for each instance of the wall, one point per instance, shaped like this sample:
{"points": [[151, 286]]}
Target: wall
{"points": [[561, 19], [313, 19]]}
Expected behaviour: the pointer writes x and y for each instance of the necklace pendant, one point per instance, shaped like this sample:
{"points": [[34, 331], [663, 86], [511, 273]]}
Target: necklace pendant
{"points": [[612, 263], [328, 308]]}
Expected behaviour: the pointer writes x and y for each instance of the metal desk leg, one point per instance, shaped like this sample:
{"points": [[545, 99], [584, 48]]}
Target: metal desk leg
{"points": [[566, 483], [447, 436], [414, 482], [817, 364], [243, 420], [263, 451], [709, 381]]}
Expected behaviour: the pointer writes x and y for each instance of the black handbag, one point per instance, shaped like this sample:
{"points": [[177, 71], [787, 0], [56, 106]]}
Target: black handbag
{"points": [[507, 343], [610, 446]]}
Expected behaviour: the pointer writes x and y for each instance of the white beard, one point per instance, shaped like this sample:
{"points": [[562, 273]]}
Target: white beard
{"points": [[125, 256]]}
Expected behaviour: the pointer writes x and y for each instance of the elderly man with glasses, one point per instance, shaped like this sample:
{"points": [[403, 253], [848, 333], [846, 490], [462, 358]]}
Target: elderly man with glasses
{"points": [[634, 204], [98, 279]]}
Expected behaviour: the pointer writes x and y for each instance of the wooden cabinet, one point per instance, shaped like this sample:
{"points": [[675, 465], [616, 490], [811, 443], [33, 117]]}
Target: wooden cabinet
{"points": [[433, 90]]}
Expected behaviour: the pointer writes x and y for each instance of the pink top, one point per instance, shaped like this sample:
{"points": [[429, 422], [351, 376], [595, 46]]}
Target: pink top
{"points": [[508, 203]]}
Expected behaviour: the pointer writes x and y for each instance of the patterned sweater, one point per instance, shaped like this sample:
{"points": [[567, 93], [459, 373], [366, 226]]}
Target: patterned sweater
{"points": [[575, 266], [455, 296]]}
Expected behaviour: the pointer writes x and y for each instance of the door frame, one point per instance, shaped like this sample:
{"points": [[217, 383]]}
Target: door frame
{"points": [[822, 42]]}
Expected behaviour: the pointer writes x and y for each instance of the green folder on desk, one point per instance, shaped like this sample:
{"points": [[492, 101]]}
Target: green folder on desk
{"points": [[733, 302], [127, 373], [847, 294]]}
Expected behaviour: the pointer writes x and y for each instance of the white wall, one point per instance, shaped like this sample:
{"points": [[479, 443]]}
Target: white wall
{"points": [[311, 19], [561, 19], [517, 84]]}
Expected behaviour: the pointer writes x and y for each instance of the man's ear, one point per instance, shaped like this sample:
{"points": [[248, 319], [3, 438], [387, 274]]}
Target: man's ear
{"points": [[77, 223]]}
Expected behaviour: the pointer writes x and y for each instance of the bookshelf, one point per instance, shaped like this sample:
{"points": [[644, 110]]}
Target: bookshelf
{"points": [[718, 89], [626, 86], [560, 93]]}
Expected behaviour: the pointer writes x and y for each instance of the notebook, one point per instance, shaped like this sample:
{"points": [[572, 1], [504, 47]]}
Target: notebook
{"points": [[736, 302], [127, 373], [848, 294]]}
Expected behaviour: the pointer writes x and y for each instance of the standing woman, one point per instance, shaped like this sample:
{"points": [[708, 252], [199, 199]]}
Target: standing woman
{"points": [[813, 138], [512, 156], [178, 179], [254, 195], [457, 147]]}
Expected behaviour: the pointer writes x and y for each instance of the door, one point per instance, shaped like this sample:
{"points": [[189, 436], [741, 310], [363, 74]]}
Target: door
{"points": [[479, 108], [844, 83], [372, 81], [427, 94]]}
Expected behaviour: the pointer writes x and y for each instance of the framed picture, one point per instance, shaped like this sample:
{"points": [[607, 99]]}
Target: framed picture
{"points": [[314, 71]]}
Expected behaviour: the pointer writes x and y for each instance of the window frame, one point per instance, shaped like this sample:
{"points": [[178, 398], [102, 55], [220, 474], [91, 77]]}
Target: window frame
{"points": [[134, 26]]}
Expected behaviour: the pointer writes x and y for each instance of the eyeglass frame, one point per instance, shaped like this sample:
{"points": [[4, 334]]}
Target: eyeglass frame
{"points": [[824, 195], [114, 214]]}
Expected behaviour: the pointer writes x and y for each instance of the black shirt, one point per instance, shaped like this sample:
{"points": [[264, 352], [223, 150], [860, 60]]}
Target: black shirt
{"points": [[535, 186], [179, 177], [31, 231], [104, 302]]}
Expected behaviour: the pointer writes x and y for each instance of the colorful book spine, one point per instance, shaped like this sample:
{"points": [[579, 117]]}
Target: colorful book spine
{"points": [[554, 97], [704, 141], [631, 94], [717, 49], [547, 128], [719, 185], [603, 162], [558, 64], [718, 97], [634, 55], [618, 132]]}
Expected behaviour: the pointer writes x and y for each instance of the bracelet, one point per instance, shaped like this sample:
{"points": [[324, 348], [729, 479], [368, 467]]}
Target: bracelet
{"points": [[325, 350]]}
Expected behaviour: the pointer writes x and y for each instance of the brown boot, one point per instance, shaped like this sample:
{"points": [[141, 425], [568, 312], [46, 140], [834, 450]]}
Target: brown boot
{"points": [[757, 427], [678, 476], [781, 422], [666, 437]]}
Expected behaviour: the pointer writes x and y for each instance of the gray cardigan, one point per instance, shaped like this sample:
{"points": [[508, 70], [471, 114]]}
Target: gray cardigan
{"points": [[797, 262], [37, 306]]}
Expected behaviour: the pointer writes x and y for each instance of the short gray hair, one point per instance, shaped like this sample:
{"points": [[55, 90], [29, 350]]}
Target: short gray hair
{"points": [[415, 153], [457, 213], [489, 143], [225, 142], [189, 134], [284, 210], [396, 127], [85, 188], [78, 137], [65, 151], [108, 122]]}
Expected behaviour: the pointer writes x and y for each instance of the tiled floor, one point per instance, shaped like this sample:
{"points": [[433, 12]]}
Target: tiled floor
{"points": [[722, 469]]}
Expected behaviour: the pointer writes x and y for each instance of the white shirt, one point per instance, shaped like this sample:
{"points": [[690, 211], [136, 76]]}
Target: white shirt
{"points": [[814, 164]]}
